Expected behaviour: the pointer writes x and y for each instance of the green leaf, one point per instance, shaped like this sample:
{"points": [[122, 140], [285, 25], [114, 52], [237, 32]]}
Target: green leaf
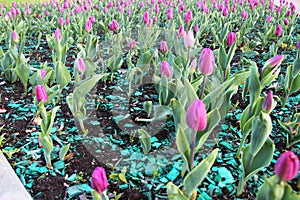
{"points": [[191, 93], [145, 140], [63, 76], [261, 159], [271, 190], [183, 145], [196, 176], [63, 152], [51, 120], [174, 193]]}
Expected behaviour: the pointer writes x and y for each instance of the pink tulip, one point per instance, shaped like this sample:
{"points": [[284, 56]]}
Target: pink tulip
{"points": [[231, 37], [88, 26], [196, 117], [92, 19], [273, 62], [68, 20], [244, 14], [57, 34], [189, 39], [15, 36], [146, 18], [286, 21], [287, 166], [269, 19], [80, 65], [278, 30], [61, 21], [165, 69], [131, 44], [114, 25], [99, 180], [43, 73], [40, 93], [163, 47], [188, 16], [196, 28], [206, 61]]}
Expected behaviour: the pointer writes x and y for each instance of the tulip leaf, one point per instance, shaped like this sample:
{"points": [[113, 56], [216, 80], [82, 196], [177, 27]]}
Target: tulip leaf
{"points": [[183, 145], [63, 151], [271, 190], [174, 193], [196, 176], [295, 85], [90, 67], [145, 140], [254, 83], [179, 114], [260, 160], [222, 58], [63, 76], [51, 117], [191, 93]]}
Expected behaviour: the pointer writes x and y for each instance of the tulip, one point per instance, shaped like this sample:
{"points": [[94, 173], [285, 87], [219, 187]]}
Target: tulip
{"points": [[80, 66], [273, 62], [163, 47], [165, 69], [68, 20], [114, 25], [288, 13], [298, 45], [244, 14], [231, 37], [196, 117], [189, 39], [41, 94], [278, 30], [57, 34], [131, 44], [206, 62], [88, 26], [188, 16], [268, 103], [15, 36], [92, 19], [47, 13], [43, 73], [269, 19], [181, 32], [61, 21], [170, 15], [225, 12], [286, 21], [99, 180], [196, 28], [146, 17], [287, 166]]}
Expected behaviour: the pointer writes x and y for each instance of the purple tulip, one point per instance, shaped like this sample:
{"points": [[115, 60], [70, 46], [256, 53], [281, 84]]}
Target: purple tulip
{"points": [[225, 12], [278, 30], [68, 20], [196, 28], [269, 19], [181, 32], [268, 103], [244, 14], [146, 18], [165, 69], [206, 61], [196, 117], [99, 180], [298, 45], [189, 39], [114, 25], [163, 47], [92, 19], [15, 36], [40, 93], [170, 15], [288, 13], [47, 13], [231, 37], [287, 166], [188, 16], [57, 34]]}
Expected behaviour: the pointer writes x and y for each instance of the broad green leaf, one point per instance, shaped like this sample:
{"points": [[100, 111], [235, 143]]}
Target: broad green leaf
{"points": [[63, 152], [174, 193], [145, 140], [196, 176], [183, 145]]}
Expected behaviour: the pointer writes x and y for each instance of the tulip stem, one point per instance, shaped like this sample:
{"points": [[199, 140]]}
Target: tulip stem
{"points": [[192, 149], [203, 86]]}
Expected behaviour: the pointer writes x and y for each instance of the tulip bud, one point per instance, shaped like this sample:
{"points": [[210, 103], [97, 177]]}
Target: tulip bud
{"points": [[181, 32], [61, 21], [269, 19], [225, 12], [41, 94], [287, 166], [189, 39], [15, 36], [207, 61], [196, 117], [196, 28], [286, 21], [88, 26], [244, 14], [43, 73], [146, 18], [57, 34], [68, 20], [188, 16], [163, 47], [165, 69], [278, 30], [268, 103], [99, 180], [273, 62], [80, 65], [298, 45], [92, 19], [114, 25], [131, 44], [231, 37]]}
